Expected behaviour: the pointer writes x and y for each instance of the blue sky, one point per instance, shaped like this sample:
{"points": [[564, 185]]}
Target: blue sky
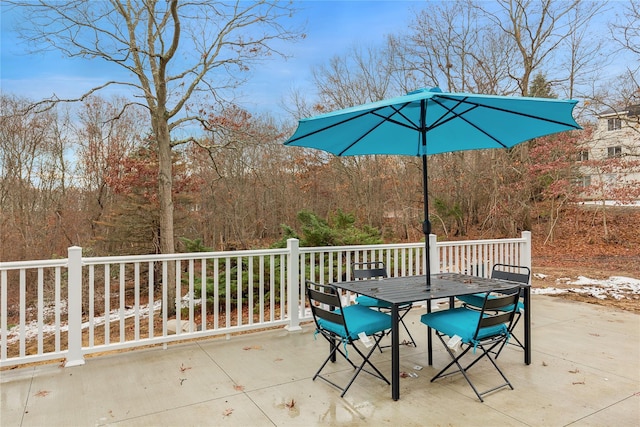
{"points": [[332, 27]]}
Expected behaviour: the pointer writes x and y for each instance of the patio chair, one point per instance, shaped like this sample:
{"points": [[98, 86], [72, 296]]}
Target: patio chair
{"points": [[514, 273], [343, 327], [372, 271], [478, 330]]}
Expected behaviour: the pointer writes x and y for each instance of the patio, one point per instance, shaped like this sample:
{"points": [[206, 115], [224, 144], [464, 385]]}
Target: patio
{"points": [[585, 371]]}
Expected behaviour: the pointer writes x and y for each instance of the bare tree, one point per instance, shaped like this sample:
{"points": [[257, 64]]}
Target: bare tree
{"points": [[102, 145], [361, 75], [538, 30], [449, 47], [34, 177], [171, 51], [626, 31]]}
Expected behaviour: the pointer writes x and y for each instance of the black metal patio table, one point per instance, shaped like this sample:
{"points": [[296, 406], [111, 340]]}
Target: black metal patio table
{"points": [[401, 290]]}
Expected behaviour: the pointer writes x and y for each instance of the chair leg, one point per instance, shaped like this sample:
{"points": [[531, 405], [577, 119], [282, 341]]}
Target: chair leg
{"points": [[456, 360], [412, 341], [366, 361], [512, 335], [404, 325], [335, 348]]}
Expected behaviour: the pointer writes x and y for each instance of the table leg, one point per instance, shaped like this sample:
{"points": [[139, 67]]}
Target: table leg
{"points": [[429, 341], [395, 354], [527, 325]]}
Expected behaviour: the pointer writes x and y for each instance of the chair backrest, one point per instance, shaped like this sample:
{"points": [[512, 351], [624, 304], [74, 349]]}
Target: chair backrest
{"points": [[368, 270], [514, 273], [498, 309], [325, 303]]}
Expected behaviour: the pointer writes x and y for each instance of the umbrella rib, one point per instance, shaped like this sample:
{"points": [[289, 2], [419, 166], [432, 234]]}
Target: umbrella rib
{"points": [[504, 110], [384, 119], [373, 112], [360, 138], [461, 117], [327, 127]]}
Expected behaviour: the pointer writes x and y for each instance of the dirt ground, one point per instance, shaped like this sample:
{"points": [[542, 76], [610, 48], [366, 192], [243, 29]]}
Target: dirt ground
{"points": [[581, 247]]}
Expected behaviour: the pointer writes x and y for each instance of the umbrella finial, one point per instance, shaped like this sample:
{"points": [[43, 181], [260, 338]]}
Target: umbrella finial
{"points": [[434, 89]]}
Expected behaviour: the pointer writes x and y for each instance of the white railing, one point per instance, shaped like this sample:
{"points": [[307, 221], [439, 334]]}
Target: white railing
{"points": [[81, 305]]}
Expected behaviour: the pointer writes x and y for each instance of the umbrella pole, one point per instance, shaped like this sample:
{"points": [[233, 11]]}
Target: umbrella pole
{"points": [[426, 225]]}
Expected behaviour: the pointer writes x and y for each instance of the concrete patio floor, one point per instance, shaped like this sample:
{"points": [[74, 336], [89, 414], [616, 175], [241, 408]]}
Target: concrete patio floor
{"points": [[585, 372]]}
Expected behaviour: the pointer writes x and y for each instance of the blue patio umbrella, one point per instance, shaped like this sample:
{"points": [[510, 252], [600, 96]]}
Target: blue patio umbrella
{"points": [[429, 121]]}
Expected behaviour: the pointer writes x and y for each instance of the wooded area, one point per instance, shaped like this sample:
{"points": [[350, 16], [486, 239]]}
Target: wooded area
{"points": [[91, 173]]}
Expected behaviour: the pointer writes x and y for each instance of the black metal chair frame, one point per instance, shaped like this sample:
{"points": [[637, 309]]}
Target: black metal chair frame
{"points": [[514, 273], [325, 303], [373, 270], [493, 312]]}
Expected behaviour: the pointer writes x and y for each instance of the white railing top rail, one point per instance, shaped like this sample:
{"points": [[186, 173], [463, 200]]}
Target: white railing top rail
{"points": [[44, 263]]}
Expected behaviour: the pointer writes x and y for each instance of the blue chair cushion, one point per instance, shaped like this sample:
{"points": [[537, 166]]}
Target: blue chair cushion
{"points": [[358, 319], [375, 303], [461, 322], [477, 300]]}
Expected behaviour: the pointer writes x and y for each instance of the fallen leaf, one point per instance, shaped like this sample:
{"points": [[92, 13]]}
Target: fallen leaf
{"points": [[403, 374], [291, 404], [182, 380], [544, 363], [42, 393], [227, 412], [577, 382], [238, 387], [253, 347], [184, 368], [279, 359], [575, 371]]}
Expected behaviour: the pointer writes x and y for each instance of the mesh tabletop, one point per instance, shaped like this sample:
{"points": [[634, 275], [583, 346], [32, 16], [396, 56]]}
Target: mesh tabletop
{"points": [[396, 290]]}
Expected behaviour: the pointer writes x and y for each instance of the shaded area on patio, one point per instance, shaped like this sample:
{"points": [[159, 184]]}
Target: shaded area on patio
{"points": [[585, 371]]}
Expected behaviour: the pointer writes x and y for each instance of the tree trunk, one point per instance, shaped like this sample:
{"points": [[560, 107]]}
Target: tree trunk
{"points": [[165, 197]]}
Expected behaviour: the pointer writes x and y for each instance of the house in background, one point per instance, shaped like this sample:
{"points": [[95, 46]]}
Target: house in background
{"points": [[610, 161]]}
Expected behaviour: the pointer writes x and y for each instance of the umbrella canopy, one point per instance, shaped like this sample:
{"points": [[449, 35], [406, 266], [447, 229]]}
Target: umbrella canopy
{"points": [[429, 121]]}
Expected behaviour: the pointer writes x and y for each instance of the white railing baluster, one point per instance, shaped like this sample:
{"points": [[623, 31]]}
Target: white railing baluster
{"points": [[178, 300], [107, 304], [3, 314], [165, 286], [121, 306], [136, 301], [216, 293], [191, 294], [203, 294], [40, 308], [57, 292], [151, 297], [91, 303], [23, 310]]}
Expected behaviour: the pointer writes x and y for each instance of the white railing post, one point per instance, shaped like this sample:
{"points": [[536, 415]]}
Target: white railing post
{"points": [[525, 254], [293, 285], [434, 254], [74, 308]]}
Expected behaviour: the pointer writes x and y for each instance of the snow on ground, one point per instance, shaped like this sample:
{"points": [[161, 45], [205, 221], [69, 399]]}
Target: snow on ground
{"points": [[33, 328], [617, 287]]}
